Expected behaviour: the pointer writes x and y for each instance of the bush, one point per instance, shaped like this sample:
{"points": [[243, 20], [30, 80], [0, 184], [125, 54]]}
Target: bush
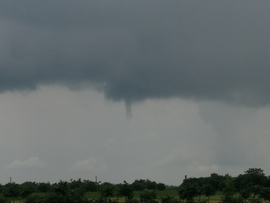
{"points": [[232, 199], [253, 199], [168, 199], [3, 199], [55, 198], [102, 200], [36, 198], [132, 201], [148, 196]]}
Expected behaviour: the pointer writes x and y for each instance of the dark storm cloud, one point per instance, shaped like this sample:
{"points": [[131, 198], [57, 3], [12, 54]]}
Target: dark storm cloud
{"points": [[135, 50]]}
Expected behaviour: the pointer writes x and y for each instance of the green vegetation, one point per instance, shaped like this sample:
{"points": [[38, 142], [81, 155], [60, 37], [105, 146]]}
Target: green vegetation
{"points": [[251, 187]]}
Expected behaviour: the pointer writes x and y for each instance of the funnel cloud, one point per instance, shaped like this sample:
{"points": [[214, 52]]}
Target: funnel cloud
{"points": [[203, 50]]}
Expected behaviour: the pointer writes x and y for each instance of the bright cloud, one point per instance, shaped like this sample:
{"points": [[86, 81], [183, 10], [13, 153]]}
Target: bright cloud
{"points": [[89, 164], [32, 162]]}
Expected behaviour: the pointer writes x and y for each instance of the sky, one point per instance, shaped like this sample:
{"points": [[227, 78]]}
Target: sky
{"points": [[127, 90]]}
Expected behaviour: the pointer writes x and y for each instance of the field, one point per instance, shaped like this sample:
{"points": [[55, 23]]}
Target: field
{"points": [[160, 194], [136, 195]]}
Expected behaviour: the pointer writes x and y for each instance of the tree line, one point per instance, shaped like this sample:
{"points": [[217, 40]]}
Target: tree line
{"points": [[253, 186], [73, 191]]}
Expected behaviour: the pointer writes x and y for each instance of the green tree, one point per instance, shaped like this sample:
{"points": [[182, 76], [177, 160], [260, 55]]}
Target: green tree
{"points": [[161, 186], [61, 188], [3, 199], [229, 191], [11, 190], [106, 190], [150, 185], [44, 187], [208, 191], [250, 183], [265, 193], [28, 188], [148, 196], [35, 198], [90, 186], [188, 192], [126, 191], [138, 185]]}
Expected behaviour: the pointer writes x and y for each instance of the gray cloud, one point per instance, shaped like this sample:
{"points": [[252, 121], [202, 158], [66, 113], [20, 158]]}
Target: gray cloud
{"points": [[206, 50], [78, 134]]}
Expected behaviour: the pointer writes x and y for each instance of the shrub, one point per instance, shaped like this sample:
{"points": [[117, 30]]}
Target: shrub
{"points": [[132, 201], [36, 198], [168, 199], [148, 196], [3, 199]]}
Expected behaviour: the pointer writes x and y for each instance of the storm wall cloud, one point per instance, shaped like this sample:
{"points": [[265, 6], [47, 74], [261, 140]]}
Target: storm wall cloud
{"points": [[132, 51]]}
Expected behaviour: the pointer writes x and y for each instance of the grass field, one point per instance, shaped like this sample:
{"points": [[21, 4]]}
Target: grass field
{"points": [[160, 194], [136, 195]]}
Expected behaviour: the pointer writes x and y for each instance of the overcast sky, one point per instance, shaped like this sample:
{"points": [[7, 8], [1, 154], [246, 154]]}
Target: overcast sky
{"points": [[195, 73]]}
